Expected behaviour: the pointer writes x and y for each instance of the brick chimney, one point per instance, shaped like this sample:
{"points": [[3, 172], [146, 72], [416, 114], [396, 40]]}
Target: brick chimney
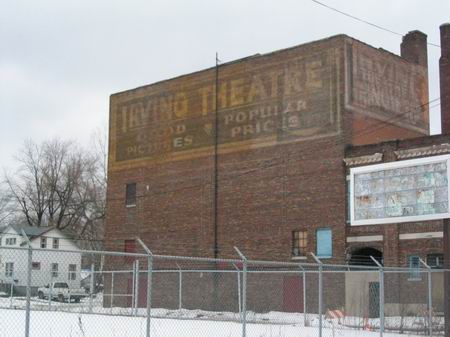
{"points": [[414, 48], [444, 75]]}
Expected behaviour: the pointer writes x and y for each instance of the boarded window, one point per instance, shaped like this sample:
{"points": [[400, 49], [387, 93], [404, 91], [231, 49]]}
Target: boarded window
{"points": [[130, 195], [130, 247], [324, 243], [414, 267]]}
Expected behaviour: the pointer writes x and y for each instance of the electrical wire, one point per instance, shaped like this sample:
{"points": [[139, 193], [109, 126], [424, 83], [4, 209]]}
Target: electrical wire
{"points": [[365, 21]]}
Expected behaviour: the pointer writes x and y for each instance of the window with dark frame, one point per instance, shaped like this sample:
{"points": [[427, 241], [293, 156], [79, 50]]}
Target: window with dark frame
{"points": [[55, 243], [130, 195], [54, 270], [36, 266], [9, 269], [435, 261], [72, 272], [43, 242], [11, 241], [299, 243]]}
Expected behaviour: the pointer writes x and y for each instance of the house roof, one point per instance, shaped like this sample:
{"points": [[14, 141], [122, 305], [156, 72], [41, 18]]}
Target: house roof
{"points": [[32, 232], [35, 232]]}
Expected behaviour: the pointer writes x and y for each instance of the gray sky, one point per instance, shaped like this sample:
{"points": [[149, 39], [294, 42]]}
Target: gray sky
{"points": [[60, 60]]}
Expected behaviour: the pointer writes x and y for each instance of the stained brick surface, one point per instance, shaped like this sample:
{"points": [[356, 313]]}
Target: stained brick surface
{"points": [[273, 181]]}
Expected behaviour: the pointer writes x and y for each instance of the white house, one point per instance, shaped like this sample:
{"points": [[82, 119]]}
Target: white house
{"points": [[61, 264]]}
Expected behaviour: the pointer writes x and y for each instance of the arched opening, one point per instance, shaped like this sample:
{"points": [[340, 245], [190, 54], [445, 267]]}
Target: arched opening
{"points": [[362, 256]]}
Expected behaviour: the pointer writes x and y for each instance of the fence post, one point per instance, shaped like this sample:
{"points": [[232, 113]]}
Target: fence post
{"points": [[133, 287], [430, 298], [136, 289], [149, 284], [244, 292], [381, 280], [180, 287], [320, 309], [30, 262], [91, 287], [11, 292], [50, 291], [112, 290], [304, 294], [239, 290]]}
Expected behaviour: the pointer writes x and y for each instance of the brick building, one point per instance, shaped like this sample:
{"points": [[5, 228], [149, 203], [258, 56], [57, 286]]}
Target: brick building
{"points": [[255, 153]]}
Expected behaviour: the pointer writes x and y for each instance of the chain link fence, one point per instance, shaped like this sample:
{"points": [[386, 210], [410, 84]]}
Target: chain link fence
{"points": [[57, 291]]}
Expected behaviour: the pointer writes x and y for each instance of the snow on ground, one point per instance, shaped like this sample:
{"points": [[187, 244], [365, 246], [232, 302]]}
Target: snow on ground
{"points": [[59, 324], [54, 319]]}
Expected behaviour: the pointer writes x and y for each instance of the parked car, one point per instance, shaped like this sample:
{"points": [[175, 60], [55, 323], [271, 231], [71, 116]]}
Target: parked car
{"points": [[62, 292]]}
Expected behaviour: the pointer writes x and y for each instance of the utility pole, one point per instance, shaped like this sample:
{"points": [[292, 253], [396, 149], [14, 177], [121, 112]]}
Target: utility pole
{"points": [[216, 168]]}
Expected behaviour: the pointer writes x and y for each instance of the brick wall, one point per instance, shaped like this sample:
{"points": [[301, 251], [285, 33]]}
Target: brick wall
{"points": [[284, 122], [396, 251]]}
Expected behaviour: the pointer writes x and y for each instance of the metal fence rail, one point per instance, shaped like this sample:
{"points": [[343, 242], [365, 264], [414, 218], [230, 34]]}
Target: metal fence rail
{"points": [[67, 292]]}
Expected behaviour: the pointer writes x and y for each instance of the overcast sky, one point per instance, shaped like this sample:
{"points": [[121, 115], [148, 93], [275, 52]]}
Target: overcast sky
{"points": [[60, 60]]}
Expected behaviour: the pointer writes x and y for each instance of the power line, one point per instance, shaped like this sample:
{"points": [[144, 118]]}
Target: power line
{"points": [[365, 21]]}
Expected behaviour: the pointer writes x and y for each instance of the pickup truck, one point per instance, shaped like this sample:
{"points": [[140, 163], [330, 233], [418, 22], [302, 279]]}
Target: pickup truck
{"points": [[61, 292]]}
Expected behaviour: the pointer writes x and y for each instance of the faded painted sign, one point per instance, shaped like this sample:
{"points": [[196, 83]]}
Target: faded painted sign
{"points": [[387, 87], [261, 101], [400, 191]]}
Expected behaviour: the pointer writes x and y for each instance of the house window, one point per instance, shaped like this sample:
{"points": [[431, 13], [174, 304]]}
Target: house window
{"points": [[54, 270], [130, 195], [11, 241], [299, 243], [324, 243], [435, 261], [36, 266], [9, 269], [55, 243], [43, 242], [414, 267], [72, 272]]}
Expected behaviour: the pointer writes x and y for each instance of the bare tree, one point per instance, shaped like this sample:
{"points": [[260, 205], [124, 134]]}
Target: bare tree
{"points": [[5, 207], [27, 187], [60, 184]]}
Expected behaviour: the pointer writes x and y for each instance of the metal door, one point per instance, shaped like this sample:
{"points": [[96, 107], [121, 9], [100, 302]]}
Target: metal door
{"points": [[292, 294]]}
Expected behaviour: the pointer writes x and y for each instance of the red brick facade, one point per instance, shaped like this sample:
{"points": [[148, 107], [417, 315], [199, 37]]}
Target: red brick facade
{"points": [[395, 250], [285, 123]]}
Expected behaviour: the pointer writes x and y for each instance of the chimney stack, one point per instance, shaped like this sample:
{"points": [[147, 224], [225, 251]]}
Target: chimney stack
{"points": [[414, 48], [444, 75]]}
